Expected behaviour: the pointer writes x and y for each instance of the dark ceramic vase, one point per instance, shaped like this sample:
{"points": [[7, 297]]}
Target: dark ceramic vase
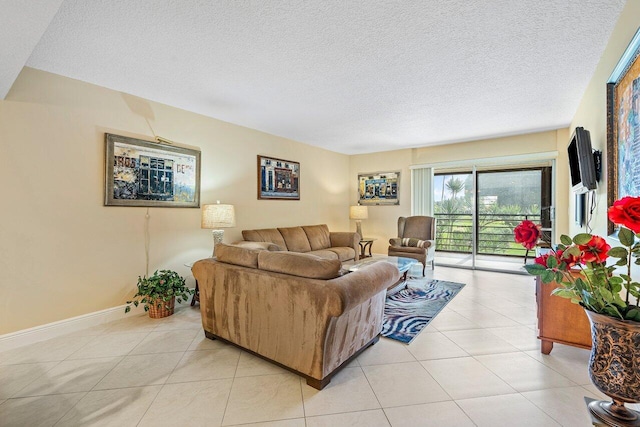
{"points": [[614, 368]]}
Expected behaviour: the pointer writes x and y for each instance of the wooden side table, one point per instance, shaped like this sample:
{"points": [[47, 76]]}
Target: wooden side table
{"points": [[196, 296], [196, 292], [365, 243]]}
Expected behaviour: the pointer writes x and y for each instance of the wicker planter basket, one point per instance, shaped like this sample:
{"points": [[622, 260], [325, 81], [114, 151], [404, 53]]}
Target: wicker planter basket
{"points": [[156, 312]]}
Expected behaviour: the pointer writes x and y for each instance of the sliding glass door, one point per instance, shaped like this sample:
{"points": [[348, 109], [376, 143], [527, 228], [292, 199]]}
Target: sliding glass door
{"points": [[478, 210], [453, 208]]}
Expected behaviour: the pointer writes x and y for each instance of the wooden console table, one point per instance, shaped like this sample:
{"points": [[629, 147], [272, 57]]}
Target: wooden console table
{"points": [[560, 320]]}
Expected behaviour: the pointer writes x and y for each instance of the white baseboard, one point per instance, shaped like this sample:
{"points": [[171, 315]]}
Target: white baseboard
{"points": [[63, 327]]}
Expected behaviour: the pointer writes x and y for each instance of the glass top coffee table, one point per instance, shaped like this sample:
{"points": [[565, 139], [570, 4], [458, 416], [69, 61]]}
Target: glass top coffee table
{"points": [[402, 264]]}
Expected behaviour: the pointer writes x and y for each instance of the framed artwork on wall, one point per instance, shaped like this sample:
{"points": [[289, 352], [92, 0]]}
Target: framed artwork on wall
{"points": [[379, 188], [623, 118], [278, 179], [148, 174]]}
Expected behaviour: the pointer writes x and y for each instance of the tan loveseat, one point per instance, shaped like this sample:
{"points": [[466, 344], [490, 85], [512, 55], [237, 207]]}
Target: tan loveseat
{"points": [[314, 239], [297, 310]]}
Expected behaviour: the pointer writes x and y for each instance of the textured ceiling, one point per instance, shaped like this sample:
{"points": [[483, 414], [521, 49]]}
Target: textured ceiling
{"points": [[352, 76], [21, 26]]}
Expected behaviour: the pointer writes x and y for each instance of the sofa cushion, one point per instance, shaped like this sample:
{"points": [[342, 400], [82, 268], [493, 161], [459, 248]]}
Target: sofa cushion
{"points": [[238, 255], [265, 235], [344, 253], [299, 264], [318, 236], [296, 239], [324, 254]]}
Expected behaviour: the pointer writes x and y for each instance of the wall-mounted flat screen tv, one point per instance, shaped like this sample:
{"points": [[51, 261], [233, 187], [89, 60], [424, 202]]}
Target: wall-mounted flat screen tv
{"points": [[581, 162]]}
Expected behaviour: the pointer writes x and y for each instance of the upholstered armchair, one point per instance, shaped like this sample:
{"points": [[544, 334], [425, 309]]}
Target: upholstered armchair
{"points": [[416, 239]]}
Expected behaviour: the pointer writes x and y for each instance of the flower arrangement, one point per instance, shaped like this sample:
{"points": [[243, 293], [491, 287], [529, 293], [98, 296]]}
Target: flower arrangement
{"points": [[579, 264]]}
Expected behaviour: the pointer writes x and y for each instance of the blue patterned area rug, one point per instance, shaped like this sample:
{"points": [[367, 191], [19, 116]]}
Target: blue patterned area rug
{"points": [[409, 311]]}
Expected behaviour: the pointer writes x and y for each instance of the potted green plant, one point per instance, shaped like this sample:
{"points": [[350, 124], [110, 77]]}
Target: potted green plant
{"points": [[598, 277], [158, 293]]}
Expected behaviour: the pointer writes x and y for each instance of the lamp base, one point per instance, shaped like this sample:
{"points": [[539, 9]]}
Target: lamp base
{"points": [[217, 238], [359, 228]]}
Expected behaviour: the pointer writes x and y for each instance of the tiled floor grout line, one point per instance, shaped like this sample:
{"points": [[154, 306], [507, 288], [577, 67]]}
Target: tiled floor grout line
{"points": [[551, 367], [374, 393], [161, 385], [69, 410], [302, 383], [233, 380], [455, 402], [542, 409]]}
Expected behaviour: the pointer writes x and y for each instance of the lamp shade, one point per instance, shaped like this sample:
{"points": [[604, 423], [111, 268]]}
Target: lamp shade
{"points": [[218, 216], [358, 212]]}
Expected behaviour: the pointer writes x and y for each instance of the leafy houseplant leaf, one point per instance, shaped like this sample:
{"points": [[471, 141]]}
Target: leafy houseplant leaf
{"points": [[618, 252], [565, 240], [582, 238], [547, 276], [573, 251], [535, 269], [633, 314], [564, 293], [626, 236]]}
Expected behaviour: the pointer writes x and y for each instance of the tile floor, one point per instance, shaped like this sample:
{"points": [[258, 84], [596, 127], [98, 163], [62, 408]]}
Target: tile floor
{"points": [[477, 364]]}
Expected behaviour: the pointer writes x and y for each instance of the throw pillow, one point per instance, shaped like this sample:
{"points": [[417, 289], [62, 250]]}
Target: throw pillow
{"points": [[416, 243]]}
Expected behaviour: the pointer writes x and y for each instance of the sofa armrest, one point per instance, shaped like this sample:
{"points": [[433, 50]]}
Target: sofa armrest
{"points": [[431, 250], [346, 239], [357, 287]]}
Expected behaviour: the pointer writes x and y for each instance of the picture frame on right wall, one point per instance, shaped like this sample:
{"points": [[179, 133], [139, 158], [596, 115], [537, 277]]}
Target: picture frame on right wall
{"points": [[623, 141]]}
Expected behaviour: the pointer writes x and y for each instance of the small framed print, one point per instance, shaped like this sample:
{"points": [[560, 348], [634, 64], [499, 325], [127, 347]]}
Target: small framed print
{"points": [[278, 179]]}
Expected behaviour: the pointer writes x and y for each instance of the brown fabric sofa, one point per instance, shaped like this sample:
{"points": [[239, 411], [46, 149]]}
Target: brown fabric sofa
{"points": [[296, 310], [313, 239]]}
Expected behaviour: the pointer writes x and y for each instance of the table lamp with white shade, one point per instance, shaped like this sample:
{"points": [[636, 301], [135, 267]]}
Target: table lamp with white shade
{"points": [[358, 213], [217, 217]]}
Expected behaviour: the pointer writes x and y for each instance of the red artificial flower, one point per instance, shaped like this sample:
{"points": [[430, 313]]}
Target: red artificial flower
{"points": [[626, 212], [527, 233], [595, 250], [569, 259], [542, 260]]}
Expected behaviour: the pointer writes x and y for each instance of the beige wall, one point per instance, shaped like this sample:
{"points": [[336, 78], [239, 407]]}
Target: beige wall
{"points": [[382, 221], [591, 113], [64, 254]]}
